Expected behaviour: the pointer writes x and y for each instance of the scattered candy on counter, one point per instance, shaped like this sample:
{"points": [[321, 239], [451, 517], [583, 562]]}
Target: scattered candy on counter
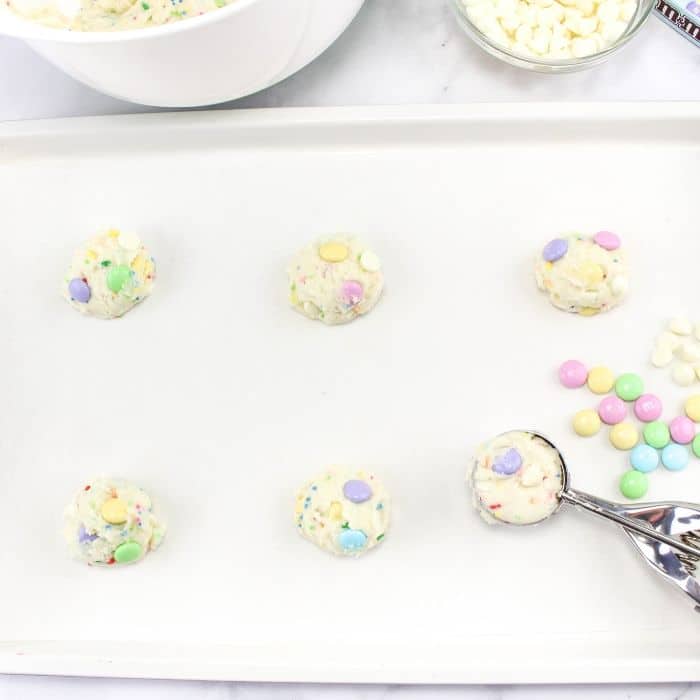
{"points": [[573, 374], [657, 434], [601, 380], [648, 408], [629, 387], [634, 484], [662, 443], [612, 410], [624, 436], [644, 458], [674, 457], [586, 422]]}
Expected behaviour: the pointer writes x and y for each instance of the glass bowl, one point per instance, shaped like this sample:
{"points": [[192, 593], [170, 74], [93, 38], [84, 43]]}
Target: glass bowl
{"points": [[545, 65]]}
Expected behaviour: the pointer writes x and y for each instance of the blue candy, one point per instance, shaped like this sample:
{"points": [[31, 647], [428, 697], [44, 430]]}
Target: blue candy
{"points": [[352, 540], [675, 457], [508, 463], [644, 458]]}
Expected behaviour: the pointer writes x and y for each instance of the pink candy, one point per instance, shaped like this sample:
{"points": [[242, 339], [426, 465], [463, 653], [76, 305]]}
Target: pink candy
{"points": [[607, 240], [573, 374], [612, 410], [682, 430], [351, 292], [647, 407]]}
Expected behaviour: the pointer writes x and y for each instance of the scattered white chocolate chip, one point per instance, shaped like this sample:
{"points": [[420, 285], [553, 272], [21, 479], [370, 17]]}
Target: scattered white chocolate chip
{"points": [[683, 374], [689, 351], [619, 285], [669, 340], [662, 356], [680, 326]]}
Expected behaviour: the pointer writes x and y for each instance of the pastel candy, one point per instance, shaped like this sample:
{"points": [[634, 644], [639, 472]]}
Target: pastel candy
{"points": [[357, 491], [607, 240], [675, 457], [352, 292], [647, 407], [79, 290], [508, 463], [682, 430], [573, 374], [644, 458], [85, 536], [352, 540], [555, 249], [127, 552], [612, 410]]}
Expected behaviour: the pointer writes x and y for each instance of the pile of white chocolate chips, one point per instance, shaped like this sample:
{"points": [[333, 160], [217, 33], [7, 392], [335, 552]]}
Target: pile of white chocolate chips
{"points": [[552, 29]]}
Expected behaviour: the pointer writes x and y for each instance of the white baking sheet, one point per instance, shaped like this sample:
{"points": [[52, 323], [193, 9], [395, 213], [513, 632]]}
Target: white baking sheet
{"points": [[221, 401]]}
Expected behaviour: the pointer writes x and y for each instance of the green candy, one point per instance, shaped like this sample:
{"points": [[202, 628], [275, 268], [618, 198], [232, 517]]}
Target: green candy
{"points": [[696, 445], [117, 277], [634, 484], [127, 552], [629, 387], [656, 435]]}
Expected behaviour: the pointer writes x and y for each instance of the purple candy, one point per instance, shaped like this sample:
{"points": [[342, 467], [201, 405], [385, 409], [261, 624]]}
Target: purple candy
{"points": [[352, 292], [84, 536], [357, 491], [555, 249], [694, 7], [79, 290], [508, 463]]}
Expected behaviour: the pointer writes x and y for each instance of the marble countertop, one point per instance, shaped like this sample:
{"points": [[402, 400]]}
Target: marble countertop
{"points": [[396, 52]]}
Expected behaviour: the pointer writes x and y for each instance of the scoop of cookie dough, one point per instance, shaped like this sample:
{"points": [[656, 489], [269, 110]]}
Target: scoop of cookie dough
{"points": [[517, 478], [344, 511], [109, 275], [110, 521], [583, 274], [335, 280]]}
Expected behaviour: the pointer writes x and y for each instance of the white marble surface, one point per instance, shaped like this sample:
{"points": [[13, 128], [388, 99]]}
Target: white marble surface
{"points": [[397, 51]]}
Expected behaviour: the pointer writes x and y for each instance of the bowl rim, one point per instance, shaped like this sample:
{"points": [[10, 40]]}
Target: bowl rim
{"points": [[35, 31], [503, 52]]}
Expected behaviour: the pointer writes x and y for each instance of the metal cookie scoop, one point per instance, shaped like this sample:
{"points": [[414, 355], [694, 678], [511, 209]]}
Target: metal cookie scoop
{"points": [[666, 534]]}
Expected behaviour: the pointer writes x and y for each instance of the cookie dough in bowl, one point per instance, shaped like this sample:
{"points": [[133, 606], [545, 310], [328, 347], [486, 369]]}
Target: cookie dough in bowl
{"points": [[109, 275], [581, 274], [343, 511], [111, 521], [517, 478], [335, 280]]}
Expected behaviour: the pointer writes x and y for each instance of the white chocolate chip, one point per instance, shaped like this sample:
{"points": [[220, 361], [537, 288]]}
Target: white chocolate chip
{"points": [[370, 262], [683, 374], [612, 31], [581, 47], [669, 340], [689, 351], [531, 475], [680, 326], [662, 356], [619, 285], [628, 10]]}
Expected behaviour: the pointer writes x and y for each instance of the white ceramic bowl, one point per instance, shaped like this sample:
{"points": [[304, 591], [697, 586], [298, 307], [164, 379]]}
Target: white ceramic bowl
{"points": [[224, 54]]}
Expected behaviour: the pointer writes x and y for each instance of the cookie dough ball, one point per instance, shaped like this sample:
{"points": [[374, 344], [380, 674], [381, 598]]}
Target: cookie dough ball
{"points": [[517, 478], [109, 275], [335, 280], [344, 511], [111, 522], [583, 274]]}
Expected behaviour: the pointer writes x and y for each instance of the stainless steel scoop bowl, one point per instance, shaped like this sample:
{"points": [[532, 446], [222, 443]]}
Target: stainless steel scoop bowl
{"points": [[666, 534]]}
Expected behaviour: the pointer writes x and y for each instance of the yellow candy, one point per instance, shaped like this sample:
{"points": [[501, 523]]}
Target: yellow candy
{"points": [[601, 380], [588, 311], [624, 436], [294, 297], [91, 254], [335, 512], [113, 233], [591, 273], [586, 422], [333, 252], [548, 265], [692, 408], [114, 511]]}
